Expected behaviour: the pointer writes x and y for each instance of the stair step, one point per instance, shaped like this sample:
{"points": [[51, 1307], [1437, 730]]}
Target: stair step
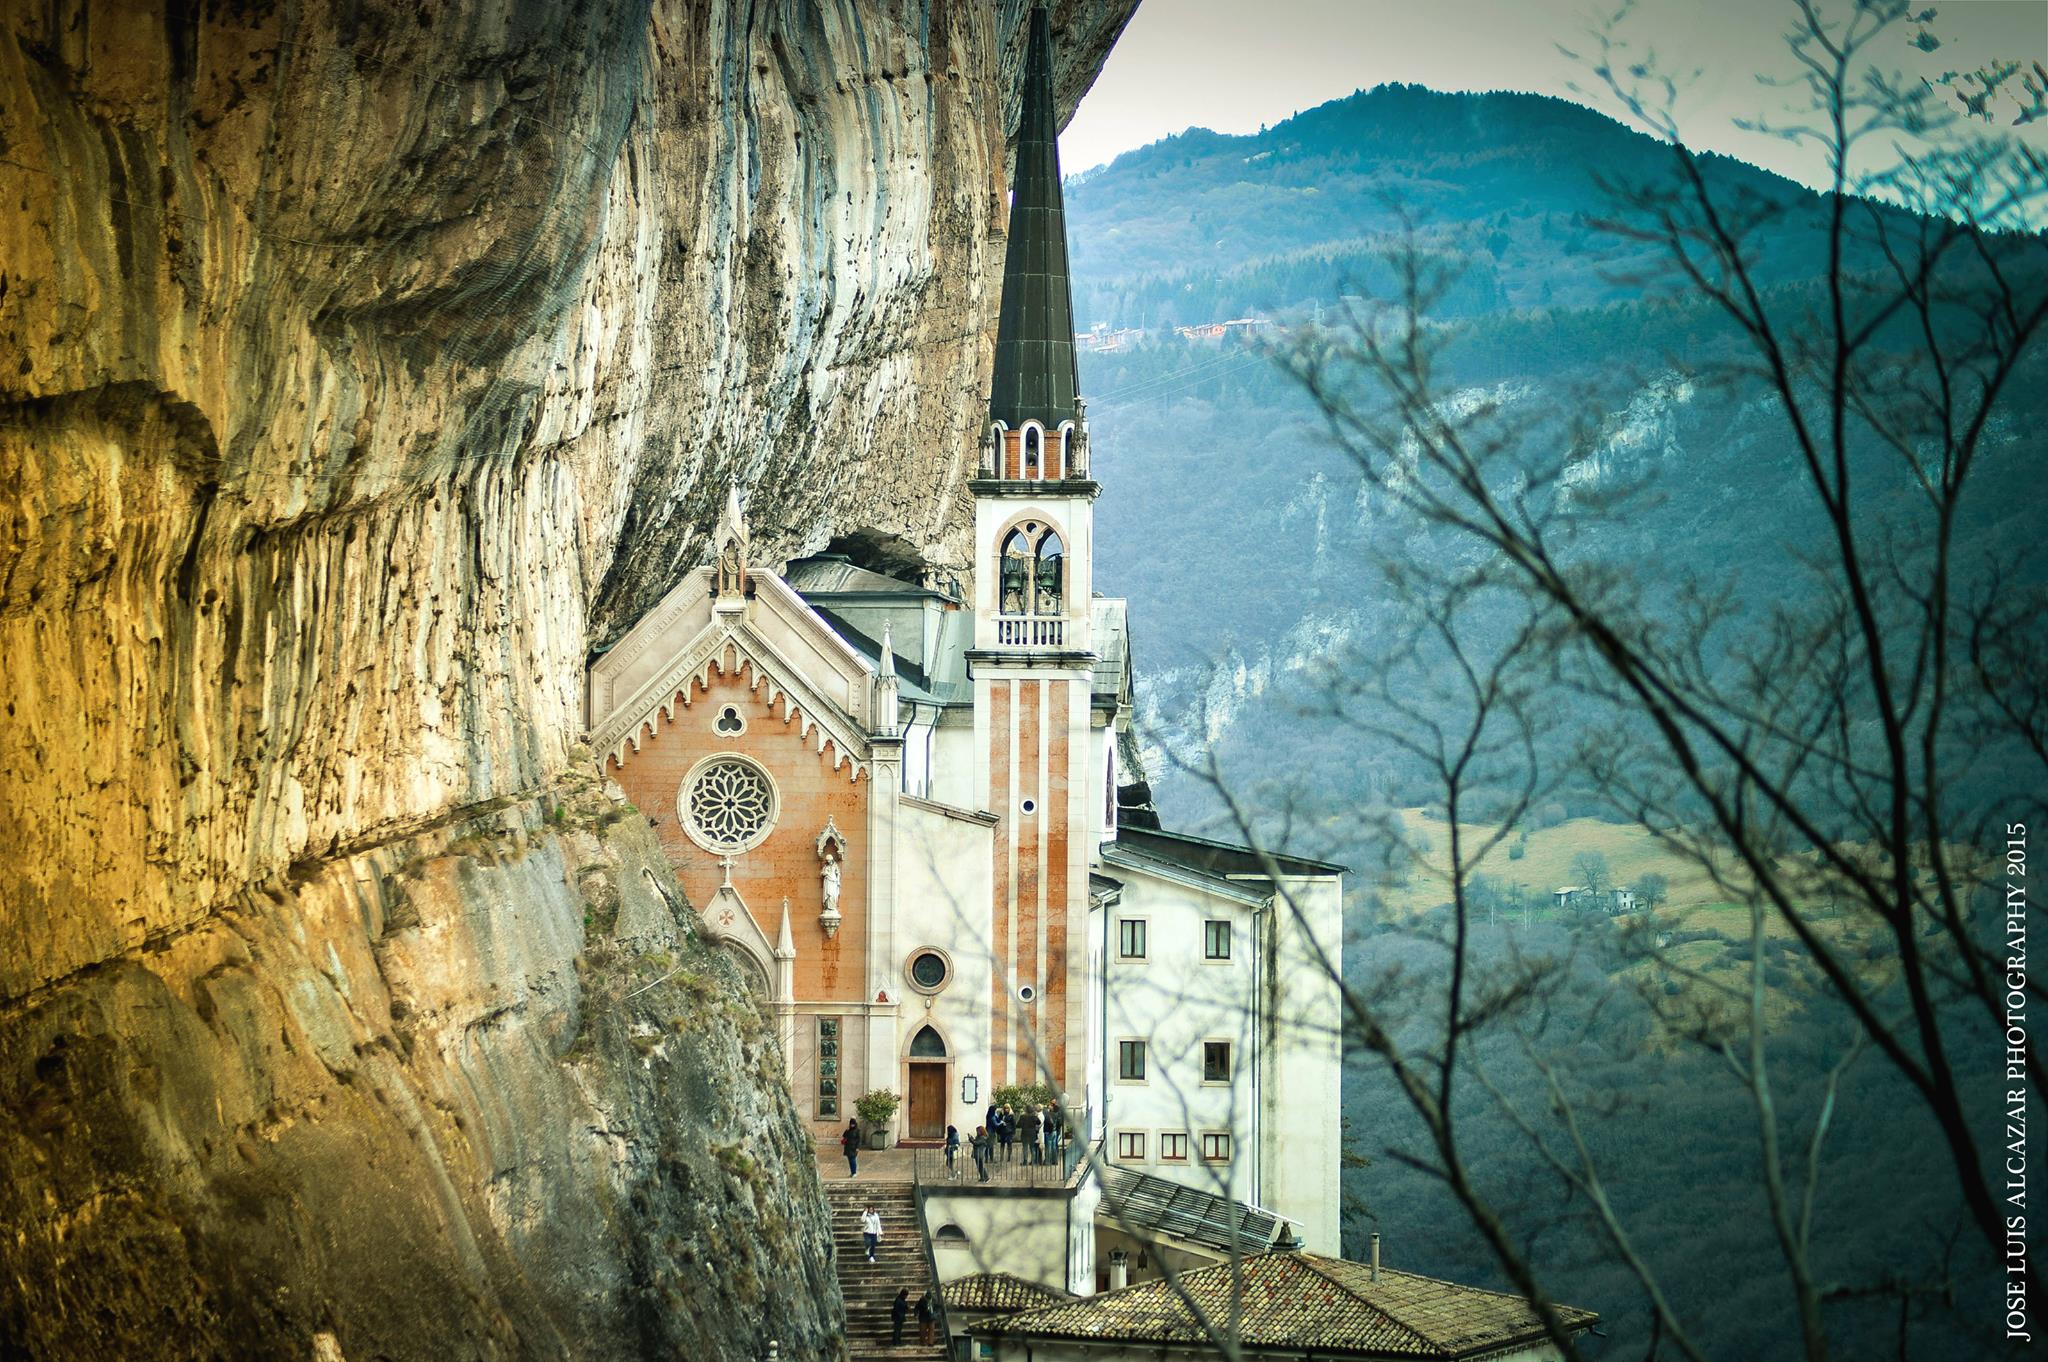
{"points": [[869, 1289]]}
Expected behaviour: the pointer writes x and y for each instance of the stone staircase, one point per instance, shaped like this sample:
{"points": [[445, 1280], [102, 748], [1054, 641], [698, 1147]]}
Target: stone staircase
{"points": [[870, 1288]]}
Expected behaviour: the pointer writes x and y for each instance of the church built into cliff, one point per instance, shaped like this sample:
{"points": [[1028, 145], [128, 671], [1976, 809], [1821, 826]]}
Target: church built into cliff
{"points": [[895, 802]]}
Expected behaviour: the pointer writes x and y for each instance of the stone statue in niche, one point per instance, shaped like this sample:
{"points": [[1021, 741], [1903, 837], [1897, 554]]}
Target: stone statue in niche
{"points": [[731, 569], [831, 868], [830, 888], [729, 564]]}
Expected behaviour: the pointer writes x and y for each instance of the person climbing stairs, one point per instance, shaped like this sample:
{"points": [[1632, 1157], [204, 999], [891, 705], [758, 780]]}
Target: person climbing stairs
{"points": [[900, 1263]]}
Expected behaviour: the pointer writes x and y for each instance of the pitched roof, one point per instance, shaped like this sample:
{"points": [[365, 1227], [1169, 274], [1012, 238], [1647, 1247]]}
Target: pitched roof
{"points": [[999, 1293], [1222, 858], [1035, 377], [911, 680], [1296, 1300], [834, 574]]}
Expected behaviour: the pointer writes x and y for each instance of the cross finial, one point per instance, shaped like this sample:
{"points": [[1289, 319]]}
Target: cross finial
{"points": [[725, 863]]}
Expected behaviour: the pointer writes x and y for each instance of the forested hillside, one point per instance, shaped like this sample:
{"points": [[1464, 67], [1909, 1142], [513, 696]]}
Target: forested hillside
{"points": [[1678, 478], [1207, 441]]}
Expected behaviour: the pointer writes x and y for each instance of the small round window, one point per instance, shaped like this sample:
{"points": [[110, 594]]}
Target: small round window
{"points": [[1029, 806], [929, 971], [728, 804]]}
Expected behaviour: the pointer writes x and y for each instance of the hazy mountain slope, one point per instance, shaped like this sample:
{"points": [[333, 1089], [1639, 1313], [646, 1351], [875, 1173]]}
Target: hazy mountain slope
{"points": [[1205, 443], [1250, 553]]}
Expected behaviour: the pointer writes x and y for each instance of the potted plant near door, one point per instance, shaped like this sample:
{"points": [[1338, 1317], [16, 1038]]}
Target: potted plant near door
{"points": [[877, 1112]]}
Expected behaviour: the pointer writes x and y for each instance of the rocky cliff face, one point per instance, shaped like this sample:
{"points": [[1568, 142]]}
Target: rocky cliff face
{"points": [[362, 366]]}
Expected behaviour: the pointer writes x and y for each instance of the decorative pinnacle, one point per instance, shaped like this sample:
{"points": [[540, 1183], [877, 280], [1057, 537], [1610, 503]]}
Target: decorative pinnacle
{"points": [[732, 520]]}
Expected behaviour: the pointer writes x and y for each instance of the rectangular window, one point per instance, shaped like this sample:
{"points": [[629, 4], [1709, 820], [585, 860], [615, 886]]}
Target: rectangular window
{"points": [[828, 1068], [1130, 1146], [1173, 1146], [1215, 1146], [1130, 938], [1130, 1060], [1215, 1061], [1215, 940]]}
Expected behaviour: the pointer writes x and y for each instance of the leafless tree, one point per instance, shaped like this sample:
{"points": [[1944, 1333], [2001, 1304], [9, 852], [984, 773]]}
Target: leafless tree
{"points": [[1590, 869], [1802, 753]]}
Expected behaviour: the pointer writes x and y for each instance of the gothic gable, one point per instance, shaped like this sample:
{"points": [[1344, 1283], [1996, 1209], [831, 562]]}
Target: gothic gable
{"points": [[786, 655]]}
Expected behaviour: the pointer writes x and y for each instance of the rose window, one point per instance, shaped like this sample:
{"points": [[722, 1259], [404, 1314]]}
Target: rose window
{"points": [[729, 804]]}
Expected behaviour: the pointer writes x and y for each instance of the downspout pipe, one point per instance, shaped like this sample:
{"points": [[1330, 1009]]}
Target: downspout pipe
{"points": [[1102, 1028], [1258, 1035]]}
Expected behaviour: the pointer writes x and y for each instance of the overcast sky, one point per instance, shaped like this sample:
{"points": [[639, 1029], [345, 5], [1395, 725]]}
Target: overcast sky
{"points": [[1232, 65]]}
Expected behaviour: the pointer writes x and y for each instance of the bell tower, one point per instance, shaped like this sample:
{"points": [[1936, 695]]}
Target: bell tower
{"points": [[1033, 657]]}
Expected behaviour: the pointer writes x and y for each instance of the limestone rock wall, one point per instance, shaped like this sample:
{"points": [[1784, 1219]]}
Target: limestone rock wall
{"points": [[362, 367]]}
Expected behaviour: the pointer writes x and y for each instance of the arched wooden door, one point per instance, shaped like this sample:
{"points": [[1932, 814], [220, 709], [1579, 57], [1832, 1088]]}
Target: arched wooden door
{"points": [[928, 1067]]}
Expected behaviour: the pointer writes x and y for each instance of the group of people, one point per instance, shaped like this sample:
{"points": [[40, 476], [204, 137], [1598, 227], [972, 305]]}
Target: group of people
{"points": [[899, 1310], [927, 1317], [1037, 1130]]}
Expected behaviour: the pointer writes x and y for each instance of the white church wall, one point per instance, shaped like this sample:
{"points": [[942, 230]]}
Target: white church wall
{"points": [[954, 753], [919, 750], [809, 648], [1081, 1238], [944, 865]]}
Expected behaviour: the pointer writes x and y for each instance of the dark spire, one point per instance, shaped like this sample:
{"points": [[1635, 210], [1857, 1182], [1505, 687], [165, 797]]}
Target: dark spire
{"points": [[1034, 374]]}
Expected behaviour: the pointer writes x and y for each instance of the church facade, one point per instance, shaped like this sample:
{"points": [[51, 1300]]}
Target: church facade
{"points": [[895, 803]]}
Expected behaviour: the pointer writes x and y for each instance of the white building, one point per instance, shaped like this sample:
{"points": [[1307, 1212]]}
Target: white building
{"points": [[1220, 1014]]}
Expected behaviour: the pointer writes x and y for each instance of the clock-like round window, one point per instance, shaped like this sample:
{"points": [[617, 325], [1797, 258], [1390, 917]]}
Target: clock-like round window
{"points": [[728, 804], [929, 970]]}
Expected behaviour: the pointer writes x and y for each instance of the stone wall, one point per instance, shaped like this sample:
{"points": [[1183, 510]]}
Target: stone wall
{"points": [[362, 367]]}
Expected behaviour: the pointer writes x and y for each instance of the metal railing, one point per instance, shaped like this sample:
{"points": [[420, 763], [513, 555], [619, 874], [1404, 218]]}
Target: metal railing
{"points": [[931, 1267], [928, 1168], [1030, 631]]}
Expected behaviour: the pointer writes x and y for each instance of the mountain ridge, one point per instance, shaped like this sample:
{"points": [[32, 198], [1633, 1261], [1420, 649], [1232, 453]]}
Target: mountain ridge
{"points": [[1504, 175]]}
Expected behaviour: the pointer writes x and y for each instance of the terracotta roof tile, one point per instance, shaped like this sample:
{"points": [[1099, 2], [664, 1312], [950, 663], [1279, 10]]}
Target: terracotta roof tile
{"points": [[1000, 1292], [1300, 1300]]}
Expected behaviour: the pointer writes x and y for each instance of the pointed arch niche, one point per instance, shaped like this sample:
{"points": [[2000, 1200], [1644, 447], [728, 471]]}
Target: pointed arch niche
{"points": [[728, 924]]}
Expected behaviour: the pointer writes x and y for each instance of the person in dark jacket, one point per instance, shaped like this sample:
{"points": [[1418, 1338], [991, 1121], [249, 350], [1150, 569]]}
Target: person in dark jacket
{"points": [[952, 1150], [1028, 1129], [980, 1144], [927, 1319], [849, 1145], [898, 1312], [1006, 1131]]}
